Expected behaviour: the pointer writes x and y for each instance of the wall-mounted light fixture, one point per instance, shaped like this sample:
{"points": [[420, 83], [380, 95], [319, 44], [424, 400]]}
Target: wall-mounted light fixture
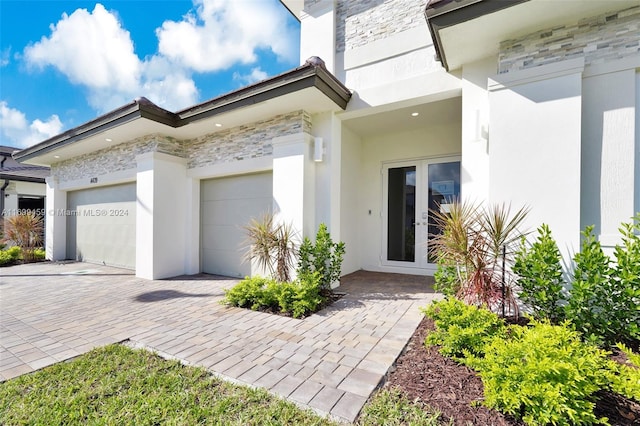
{"points": [[318, 149], [481, 132]]}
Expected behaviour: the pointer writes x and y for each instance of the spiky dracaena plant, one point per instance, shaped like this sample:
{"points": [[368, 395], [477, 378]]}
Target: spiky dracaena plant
{"points": [[476, 239], [25, 231], [273, 245]]}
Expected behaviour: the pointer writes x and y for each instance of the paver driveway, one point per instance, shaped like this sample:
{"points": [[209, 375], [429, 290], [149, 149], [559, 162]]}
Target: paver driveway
{"points": [[330, 361]]}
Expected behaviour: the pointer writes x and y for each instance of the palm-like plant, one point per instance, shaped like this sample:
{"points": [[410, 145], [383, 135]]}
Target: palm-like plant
{"points": [[25, 231], [273, 245], [475, 240]]}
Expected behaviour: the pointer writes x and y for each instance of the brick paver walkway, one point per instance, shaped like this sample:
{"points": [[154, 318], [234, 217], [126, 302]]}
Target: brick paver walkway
{"points": [[330, 361]]}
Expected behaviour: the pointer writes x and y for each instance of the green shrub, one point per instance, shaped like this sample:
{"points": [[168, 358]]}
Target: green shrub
{"points": [[593, 294], [543, 374], [39, 254], [462, 330], [540, 276], [324, 257], [10, 255], [627, 273], [625, 379], [306, 295], [298, 298], [248, 293], [448, 278]]}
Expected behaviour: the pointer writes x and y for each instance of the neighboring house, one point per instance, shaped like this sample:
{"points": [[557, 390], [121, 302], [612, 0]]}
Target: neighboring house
{"points": [[529, 102], [22, 186]]}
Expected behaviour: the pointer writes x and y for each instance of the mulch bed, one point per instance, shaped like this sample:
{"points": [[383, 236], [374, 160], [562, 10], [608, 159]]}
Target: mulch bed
{"points": [[456, 391]]}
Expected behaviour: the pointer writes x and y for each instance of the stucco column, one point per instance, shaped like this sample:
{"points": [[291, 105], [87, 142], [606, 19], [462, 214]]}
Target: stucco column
{"points": [[475, 130], [192, 226], [55, 221], [319, 18], [535, 147], [161, 217], [294, 182]]}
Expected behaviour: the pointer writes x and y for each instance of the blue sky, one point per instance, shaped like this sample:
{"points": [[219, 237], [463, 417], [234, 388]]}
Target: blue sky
{"points": [[63, 63]]}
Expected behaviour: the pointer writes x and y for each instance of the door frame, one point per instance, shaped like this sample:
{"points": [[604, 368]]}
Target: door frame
{"points": [[420, 264]]}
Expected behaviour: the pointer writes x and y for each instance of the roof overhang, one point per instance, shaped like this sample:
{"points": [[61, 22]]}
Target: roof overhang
{"points": [[310, 87], [294, 7], [19, 178], [465, 31]]}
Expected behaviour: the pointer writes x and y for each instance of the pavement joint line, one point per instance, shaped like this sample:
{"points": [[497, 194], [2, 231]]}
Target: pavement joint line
{"points": [[190, 330], [164, 355]]}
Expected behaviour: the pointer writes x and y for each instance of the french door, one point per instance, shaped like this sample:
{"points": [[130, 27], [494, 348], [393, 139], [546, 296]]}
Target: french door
{"points": [[411, 191]]}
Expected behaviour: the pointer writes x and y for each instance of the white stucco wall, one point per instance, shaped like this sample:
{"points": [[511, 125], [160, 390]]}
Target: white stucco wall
{"points": [[434, 141], [350, 200], [318, 18], [161, 216], [535, 138], [475, 130], [55, 221], [608, 152], [637, 159]]}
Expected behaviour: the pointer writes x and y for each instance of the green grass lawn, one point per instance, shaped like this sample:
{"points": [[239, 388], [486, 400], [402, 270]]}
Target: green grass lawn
{"points": [[119, 385]]}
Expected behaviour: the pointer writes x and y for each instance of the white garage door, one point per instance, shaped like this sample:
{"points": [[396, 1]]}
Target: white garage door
{"points": [[228, 204], [103, 229]]}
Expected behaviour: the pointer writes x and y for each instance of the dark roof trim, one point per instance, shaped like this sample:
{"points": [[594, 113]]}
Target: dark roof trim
{"points": [[290, 11], [141, 107], [441, 14], [8, 176], [312, 74]]}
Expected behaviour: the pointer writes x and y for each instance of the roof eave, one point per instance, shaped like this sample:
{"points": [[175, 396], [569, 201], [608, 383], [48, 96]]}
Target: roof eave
{"points": [[312, 74], [139, 108], [5, 176], [447, 13]]}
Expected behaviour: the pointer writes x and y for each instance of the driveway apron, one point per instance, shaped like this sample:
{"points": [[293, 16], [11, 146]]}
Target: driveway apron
{"points": [[330, 361]]}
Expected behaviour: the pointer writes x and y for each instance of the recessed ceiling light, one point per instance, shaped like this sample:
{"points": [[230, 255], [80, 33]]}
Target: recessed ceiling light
{"points": [[218, 125], [108, 139], [56, 156], [415, 114]]}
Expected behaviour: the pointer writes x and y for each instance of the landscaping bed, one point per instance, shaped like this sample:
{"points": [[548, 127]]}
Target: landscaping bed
{"points": [[425, 376]]}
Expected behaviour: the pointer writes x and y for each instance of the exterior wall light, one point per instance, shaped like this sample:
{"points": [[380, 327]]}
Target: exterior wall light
{"points": [[318, 149]]}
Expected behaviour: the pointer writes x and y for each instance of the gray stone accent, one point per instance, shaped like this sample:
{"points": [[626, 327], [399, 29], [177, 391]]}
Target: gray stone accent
{"points": [[359, 22], [116, 158], [247, 141], [606, 37], [310, 3]]}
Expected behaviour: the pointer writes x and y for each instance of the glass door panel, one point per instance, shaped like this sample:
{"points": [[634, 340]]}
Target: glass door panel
{"points": [[412, 189], [401, 214], [444, 187]]}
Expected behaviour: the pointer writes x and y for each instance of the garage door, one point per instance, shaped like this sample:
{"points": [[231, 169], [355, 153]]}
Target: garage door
{"points": [[228, 204], [103, 227]]}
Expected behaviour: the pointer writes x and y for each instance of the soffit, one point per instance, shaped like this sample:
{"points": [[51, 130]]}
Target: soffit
{"points": [[480, 37], [401, 120], [309, 99]]}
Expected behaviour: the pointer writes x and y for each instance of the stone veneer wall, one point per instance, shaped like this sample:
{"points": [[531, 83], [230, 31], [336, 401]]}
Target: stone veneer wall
{"points": [[598, 39], [248, 141], [359, 22], [116, 158]]}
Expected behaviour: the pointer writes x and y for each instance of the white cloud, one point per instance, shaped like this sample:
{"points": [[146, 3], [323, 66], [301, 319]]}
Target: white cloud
{"points": [[91, 49], [20, 133], [222, 33], [254, 76], [4, 57], [95, 51]]}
